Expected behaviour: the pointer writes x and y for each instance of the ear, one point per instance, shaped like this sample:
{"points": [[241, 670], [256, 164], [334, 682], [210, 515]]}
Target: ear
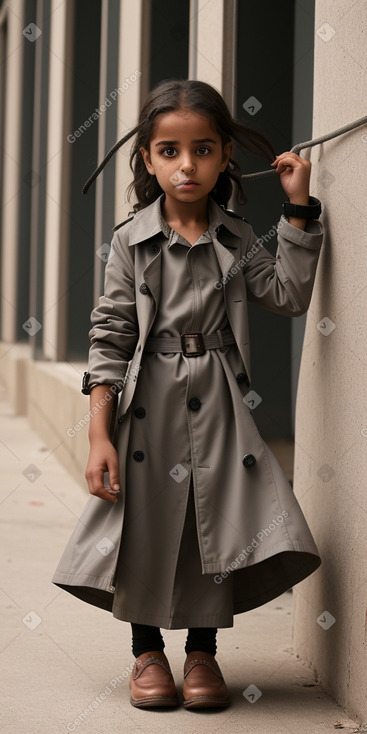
{"points": [[146, 158], [227, 150]]}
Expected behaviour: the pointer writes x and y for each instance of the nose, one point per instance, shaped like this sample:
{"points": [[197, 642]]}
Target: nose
{"points": [[186, 163]]}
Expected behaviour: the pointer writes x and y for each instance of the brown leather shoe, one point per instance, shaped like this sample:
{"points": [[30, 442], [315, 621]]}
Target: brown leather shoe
{"points": [[151, 681], [204, 685]]}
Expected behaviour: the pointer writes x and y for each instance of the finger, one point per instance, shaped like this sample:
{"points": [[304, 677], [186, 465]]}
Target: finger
{"points": [[104, 494], [113, 474], [294, 161], [111, 489], [97, 488], [283, 166]]}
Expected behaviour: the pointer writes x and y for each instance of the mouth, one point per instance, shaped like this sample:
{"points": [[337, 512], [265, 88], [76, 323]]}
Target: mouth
{"points": [[180, 180], [188, 184]]}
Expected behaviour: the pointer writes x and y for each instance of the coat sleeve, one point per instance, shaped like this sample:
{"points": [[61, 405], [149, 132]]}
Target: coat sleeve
{"points": [[114, 333], [283, 283]]}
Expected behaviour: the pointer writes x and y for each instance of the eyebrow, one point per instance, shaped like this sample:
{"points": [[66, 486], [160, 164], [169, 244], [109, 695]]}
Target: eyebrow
{"points": [[175, 142]]}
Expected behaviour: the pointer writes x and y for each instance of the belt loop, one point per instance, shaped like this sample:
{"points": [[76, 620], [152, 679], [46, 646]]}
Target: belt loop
{"points": [[220, 339]]}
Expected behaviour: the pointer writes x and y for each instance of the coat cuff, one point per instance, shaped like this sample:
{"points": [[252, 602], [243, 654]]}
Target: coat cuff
{"points": [[88, 383], [311, 237]]}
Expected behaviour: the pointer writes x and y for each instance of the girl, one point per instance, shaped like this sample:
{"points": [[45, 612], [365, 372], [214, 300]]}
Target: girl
{"points": [[195, 521]]}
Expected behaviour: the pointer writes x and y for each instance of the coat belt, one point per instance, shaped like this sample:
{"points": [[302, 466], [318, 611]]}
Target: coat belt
{"points": [[191, 344]]}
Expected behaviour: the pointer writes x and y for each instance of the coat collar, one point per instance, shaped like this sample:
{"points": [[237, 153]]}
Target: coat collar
{"points": [[149, 222]]}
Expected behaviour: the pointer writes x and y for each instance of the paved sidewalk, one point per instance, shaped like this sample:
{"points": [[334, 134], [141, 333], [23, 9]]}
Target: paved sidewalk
{"points": [[66, 664]]}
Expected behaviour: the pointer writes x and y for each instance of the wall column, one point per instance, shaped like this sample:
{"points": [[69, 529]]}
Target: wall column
{"points": [[213, 41], [330, 607], [11, 166], [58, 180], [129, 95]]}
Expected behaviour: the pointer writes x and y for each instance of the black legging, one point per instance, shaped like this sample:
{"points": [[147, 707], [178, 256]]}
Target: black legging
{"points": [[147, 638]]}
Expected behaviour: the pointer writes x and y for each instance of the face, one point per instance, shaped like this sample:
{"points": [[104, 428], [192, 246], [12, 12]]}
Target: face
{"points": [[186, 155]]}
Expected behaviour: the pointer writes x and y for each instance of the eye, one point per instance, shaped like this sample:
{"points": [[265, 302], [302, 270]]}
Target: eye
{"points": [[203, 150], [168, 152]]}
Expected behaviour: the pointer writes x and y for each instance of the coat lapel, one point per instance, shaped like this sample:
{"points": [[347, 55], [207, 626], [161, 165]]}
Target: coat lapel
{"points": [[235, 297]]}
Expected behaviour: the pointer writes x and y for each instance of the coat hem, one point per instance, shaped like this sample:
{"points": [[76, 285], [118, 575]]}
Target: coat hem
{"points": [[96, 582], [169, 623], [237, 563]]}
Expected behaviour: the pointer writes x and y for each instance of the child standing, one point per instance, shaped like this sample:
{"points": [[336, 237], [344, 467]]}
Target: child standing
{"points": [[197, 521]]}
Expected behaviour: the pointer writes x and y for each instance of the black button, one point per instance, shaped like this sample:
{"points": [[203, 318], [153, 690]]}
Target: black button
{"points": [[144, 288], [154, 249], [121, 419], [194, 404], [248, 461], [242, 377], [138, 455], [139, 412]]}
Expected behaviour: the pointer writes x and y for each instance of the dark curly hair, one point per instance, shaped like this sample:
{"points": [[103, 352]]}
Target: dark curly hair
{"points": [[175, 94]]}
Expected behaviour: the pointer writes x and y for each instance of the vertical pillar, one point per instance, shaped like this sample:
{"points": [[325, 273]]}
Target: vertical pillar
{"points": [[105, 183], [58, 180], [11, 168], [304, 21], [129, 94], [330, 607], [206, 42]]}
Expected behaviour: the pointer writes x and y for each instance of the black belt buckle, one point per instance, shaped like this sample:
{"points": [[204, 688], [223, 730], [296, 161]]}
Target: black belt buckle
{"points": [[193, 344]]}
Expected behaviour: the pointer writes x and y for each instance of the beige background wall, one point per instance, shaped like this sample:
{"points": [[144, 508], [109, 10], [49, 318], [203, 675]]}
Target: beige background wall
{"points": [[331, 425]]}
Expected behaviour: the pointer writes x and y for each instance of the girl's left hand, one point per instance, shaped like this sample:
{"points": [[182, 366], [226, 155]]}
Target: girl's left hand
{"points": [[294, 176]]}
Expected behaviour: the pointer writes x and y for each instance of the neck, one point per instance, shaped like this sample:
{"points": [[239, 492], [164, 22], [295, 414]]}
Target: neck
{"points": [[185, 213]]}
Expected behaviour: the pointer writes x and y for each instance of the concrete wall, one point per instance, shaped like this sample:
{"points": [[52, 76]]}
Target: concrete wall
{"points": [[330, 608]]}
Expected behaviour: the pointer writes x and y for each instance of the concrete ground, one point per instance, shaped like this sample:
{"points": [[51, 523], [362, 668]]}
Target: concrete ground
{"points": [[65, 664]]}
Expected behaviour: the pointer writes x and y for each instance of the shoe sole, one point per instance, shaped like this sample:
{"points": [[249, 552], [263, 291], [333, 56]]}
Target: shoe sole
{"points": [[205, 702], [153, 702]]}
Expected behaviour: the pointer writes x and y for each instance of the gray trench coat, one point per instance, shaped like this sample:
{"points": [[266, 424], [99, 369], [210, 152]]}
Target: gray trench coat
{"points": [[250, 526]]}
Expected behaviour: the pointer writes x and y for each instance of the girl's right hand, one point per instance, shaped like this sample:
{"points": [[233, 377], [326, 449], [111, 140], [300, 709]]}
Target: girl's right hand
{"points": [[103, 458]]}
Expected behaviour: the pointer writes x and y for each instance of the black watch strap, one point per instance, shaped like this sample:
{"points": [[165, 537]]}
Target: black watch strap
{"points": [[85, 384], [312, 211]]}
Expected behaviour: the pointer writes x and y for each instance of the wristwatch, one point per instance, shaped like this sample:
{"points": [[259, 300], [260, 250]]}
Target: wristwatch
{"points": [[312, 211], [85, 384]]}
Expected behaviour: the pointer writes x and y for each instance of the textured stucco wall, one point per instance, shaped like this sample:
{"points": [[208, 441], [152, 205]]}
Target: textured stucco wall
{"points": [[330, 609]]}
